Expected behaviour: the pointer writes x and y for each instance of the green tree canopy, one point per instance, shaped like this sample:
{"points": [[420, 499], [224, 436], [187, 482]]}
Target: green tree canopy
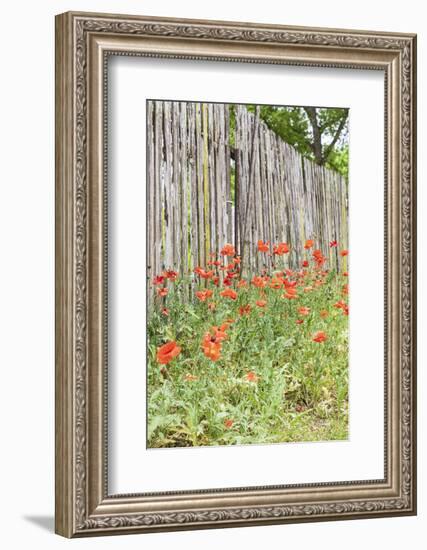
{"points": [[318, 133]]}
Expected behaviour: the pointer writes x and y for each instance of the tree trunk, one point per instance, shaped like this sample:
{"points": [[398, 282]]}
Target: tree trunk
{"points": [[317, 136]]}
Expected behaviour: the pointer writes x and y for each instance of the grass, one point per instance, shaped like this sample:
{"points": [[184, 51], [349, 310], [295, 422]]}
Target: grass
{"points": [[267, 380]]}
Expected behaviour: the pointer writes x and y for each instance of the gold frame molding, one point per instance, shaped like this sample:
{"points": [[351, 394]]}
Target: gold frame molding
{"points": [[83, 43]]}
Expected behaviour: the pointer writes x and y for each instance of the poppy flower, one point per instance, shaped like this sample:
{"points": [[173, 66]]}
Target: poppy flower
{"points": [[319, 337], [345, 309], [303, 310], [290, 294], [203, 295], [345, 274], [211, 348], [202, 273], [333, 243], [215, 280], [276, 283], [324, 313], [228, 250], [261, 303], [244, 310], [219, 333], [259, 282], [340, 304], [228, 423], [165, 312], [299, 321], [305, 263], [190, 377], [263, 246], [280, 249], [344, 253], [162, 291], [345, 289], [308, 244], [252, 377], [158, 280], [229, 293], [227, 281], [319, 258], [237, 260], [167, 352], [289, 284], [171, 275]]}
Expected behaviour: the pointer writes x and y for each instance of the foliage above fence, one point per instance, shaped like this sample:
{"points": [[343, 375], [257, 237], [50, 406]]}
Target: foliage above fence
{"points": [[203, 192]]}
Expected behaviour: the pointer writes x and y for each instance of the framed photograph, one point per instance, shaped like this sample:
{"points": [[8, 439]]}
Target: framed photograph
{"points": [[235, 274]]}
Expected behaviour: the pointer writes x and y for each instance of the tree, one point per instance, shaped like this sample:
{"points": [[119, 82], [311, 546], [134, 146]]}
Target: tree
{"points": [[320, 134]]}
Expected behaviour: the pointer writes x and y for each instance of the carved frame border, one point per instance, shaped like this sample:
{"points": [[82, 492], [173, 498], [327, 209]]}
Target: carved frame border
{"points": [[83, 43]]}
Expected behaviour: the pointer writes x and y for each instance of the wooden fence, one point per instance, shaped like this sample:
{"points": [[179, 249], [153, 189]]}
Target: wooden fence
{"points": [[283, 197], [278, 195]]}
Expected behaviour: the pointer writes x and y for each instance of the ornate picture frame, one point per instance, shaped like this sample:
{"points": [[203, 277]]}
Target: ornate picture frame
{"points": [[84, 42]]}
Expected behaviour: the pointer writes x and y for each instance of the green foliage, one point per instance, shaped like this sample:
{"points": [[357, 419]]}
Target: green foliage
{"points": [[301, 387], [294, 126], [338, 160]]}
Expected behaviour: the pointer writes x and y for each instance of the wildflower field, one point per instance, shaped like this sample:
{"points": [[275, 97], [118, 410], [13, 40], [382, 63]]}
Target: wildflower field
{"points": [[239, 359]]}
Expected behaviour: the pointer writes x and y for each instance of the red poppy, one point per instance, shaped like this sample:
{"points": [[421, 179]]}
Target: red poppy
{"points": [[202, 273], [162, 291], [276, 283], [227, 281], [308, 244], [280, 249], [216, 338], [304, 310], [305, 263], [345, 289], [333, 243], [169, 274], [259, 282], [299, 321], [215, 280], [319, 258], [165, 312], [244, 310], [158, 280], [229, 293], [167, 352], [228, 250], [344, 253], [319, 336], [289, 284], [203, 295], [252, 377], [211, 347], [324, 313], [228, 423], [290, 294], [345, 274], [263, 246], [261, 303]]}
